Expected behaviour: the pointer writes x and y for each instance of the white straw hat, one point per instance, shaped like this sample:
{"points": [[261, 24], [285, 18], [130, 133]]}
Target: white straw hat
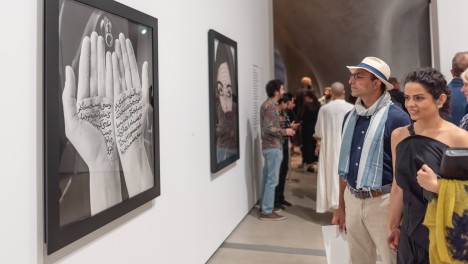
{"points": [[375, 66]]}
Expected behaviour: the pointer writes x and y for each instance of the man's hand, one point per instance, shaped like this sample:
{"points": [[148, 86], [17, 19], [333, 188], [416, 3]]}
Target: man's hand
{"points": [[317, 147], [290, 132], [339, 218], [295, 125]]}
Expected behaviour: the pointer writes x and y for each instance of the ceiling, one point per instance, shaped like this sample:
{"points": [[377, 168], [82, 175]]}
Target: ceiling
{"points": [[318, 38]]}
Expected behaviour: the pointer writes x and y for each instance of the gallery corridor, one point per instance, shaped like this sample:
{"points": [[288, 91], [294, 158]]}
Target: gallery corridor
{"points": [[298, 239]]}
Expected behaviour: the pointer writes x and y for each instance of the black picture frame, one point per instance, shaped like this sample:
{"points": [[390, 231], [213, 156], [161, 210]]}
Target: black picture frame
{"points": [[223, 101], [67, 23]]}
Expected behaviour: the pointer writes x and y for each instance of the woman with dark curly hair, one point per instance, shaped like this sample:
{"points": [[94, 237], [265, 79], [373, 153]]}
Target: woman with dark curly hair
{"points": [[417, 151]]}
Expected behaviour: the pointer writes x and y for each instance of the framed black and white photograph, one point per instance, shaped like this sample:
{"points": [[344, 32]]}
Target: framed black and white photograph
{"points": [[223, 92], [101, 118]]}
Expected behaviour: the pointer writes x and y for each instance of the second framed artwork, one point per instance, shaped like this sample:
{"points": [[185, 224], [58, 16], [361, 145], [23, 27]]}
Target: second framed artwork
{"points": [[223, 100]]}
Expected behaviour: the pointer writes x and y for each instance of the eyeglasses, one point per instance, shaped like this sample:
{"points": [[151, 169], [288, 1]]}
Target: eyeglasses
{"points": [[358, 75]]}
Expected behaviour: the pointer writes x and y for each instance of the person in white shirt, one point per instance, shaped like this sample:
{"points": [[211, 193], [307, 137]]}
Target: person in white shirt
{"points": [[328, 136]]}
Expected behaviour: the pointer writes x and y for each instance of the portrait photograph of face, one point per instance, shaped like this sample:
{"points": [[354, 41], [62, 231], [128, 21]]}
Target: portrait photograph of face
{"points": [[224, 104], [224, 87]]}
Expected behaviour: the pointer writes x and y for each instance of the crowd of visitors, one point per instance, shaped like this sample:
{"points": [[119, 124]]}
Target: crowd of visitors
{"points": [[378, 160]]}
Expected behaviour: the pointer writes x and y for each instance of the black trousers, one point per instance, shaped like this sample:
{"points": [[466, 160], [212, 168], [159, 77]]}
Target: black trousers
{"points": [[410, 251], [279, 191]]}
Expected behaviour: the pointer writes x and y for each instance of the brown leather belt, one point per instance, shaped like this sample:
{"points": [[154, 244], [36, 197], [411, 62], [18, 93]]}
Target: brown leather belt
{"points": [[362, 194]]}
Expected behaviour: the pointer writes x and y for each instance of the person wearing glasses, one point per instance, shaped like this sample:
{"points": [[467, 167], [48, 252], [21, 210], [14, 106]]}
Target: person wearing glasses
{"points": [[365, 163]]}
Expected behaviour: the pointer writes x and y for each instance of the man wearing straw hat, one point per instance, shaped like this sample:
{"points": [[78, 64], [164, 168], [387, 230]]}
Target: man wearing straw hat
{"points": [[365, 164]]}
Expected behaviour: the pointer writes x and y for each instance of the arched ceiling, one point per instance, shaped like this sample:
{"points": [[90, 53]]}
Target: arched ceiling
{"points": [[319, 38]]}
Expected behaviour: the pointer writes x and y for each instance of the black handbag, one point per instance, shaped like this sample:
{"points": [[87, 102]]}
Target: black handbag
{"points": [[454, 165]]}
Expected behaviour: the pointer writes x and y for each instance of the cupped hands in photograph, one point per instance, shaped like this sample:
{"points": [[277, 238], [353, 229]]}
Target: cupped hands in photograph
{"points": [[131, 103], [88, 114]]}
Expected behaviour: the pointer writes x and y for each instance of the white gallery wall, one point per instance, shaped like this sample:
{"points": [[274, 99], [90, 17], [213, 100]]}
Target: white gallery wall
{"points": [[197, 210], [449, 32]]}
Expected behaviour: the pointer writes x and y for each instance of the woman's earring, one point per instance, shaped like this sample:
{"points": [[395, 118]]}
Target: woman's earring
{"points": [[439, 105]]}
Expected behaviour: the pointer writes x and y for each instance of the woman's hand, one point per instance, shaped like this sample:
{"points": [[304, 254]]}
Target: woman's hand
{"points": [[393, 238], [428, 179]]}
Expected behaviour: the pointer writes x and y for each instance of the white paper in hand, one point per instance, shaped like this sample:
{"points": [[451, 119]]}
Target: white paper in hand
{"points": [[336, 246]]}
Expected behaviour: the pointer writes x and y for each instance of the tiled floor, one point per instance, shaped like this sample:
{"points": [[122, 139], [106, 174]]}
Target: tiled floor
{"points": [[298, 239]]}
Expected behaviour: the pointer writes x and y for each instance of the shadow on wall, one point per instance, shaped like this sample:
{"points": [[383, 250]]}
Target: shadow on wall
{"points": [[219, 173], [250, 166], [258, 161], [65, 253], [319, 38], [253, 164]]}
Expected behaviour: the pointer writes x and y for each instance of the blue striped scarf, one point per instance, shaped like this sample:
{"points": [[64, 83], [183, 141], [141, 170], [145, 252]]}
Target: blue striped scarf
{"points": [[371, 162]]}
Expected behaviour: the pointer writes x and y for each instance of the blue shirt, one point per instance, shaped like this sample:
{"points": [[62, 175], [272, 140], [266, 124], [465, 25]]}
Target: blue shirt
{"points": [[396, 118], [457, 102]]}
